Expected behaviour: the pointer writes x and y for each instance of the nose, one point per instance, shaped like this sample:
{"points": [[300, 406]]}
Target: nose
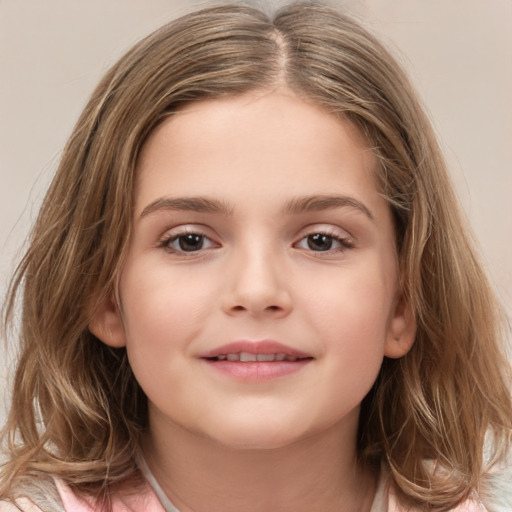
{"points": [[256, 285]]}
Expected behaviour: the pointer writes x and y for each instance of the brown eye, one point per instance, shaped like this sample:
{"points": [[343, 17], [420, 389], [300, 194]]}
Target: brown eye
{"points": [[188, 242], [320, 242], [192, 242], [323, 242]]}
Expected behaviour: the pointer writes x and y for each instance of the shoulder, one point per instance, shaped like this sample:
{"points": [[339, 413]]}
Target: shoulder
{"points": [[125, 498], [390, 503], [21, 504], [33, 494], [8, 507], [470, 506], [54, 495], [467, 506], [496, 488], [494, 493]]}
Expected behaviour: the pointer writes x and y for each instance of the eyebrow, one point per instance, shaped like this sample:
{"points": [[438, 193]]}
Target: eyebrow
{"points": [[325, 202], [191, 204], [294, 206]]}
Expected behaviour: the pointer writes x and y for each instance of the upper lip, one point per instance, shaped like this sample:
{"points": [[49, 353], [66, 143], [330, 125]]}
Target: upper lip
{"points": [[255, 347]]}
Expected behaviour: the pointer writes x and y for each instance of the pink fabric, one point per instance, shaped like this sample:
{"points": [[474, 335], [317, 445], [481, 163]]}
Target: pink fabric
{"points": [[144, 501], [467, 506]]}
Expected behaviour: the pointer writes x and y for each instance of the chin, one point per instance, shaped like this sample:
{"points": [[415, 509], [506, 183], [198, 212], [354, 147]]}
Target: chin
{"points": [[259, 442], [258, 436]]}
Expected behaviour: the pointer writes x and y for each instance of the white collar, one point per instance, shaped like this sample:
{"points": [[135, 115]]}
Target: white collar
{"points": [[164, 500], [380, 502]]}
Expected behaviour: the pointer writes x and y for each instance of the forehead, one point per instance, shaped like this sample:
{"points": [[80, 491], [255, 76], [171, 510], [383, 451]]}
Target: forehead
{"points": [[252, 144]]}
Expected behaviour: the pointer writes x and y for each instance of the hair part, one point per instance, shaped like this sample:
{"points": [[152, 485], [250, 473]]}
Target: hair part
{"points": [[77, 411]]}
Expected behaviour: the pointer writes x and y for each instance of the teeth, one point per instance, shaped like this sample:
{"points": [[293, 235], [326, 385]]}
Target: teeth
{"points": [[266, 357], [246, 357]]}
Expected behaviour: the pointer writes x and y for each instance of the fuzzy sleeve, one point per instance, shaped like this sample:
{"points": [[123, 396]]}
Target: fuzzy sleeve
{"points": [[33, 494], [22, 504]]}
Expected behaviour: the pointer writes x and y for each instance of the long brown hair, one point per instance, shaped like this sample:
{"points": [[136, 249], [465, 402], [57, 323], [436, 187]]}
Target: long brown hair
{"points": [[77, 411]]}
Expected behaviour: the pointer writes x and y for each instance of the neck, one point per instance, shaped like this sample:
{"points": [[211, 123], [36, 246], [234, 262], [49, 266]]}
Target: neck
{"points": [[317, 473]]}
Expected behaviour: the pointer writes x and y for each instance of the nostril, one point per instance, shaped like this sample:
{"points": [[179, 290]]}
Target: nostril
{"points": [[256, 303], [239, 308]]}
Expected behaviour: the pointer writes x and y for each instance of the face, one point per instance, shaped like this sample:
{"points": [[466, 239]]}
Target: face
{"points": [[259, 295]]}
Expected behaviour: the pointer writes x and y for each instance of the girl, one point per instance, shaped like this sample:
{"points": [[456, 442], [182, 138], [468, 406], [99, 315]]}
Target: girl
{"points": [[250, 288]]}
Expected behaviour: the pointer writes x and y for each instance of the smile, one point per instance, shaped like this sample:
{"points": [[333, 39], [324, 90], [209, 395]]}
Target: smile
{"points": [[256, 361], [246, 357]]}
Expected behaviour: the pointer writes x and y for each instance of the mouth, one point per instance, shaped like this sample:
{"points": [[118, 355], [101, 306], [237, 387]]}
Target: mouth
{"points": [[248, 357], [256, 361]]}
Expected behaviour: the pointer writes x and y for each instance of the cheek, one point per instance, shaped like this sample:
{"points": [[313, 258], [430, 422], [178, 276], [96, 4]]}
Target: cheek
{"points": [[351, 306], [162, 314], [351, 320]]}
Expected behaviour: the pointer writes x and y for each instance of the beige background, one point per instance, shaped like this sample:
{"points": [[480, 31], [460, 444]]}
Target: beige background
{"points": [[459, 52]]}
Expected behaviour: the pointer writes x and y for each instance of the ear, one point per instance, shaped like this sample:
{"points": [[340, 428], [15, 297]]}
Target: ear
{"points": [[107, 324], [401, 330]]}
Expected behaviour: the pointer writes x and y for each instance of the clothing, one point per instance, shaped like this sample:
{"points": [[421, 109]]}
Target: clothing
{"points": [[151, 498]]}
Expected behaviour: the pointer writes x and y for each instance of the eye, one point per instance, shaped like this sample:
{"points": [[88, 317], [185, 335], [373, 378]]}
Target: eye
{"points": [[188, 242], [323, 242]]}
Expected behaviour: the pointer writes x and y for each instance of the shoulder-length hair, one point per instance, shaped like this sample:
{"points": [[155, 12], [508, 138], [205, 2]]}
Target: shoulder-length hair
{"points": [[77, 410]]}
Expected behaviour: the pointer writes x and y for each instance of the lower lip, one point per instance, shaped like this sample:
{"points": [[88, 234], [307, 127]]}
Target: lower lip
{"points": [[257, 371]]}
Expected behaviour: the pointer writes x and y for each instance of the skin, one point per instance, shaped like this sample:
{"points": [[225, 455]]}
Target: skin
{"points": [[255, 272]]}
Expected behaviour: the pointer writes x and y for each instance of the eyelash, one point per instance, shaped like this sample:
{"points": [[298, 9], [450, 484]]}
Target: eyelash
{"points": [[166, 242], [344, 243]]}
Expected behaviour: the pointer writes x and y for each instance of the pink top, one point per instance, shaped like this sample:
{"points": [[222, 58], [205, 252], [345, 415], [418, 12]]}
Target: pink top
{"points": [[150, 498], [393, 506], [146, 500]]}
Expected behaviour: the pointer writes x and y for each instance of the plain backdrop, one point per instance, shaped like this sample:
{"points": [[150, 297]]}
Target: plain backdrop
{"points": [[458, 52]]}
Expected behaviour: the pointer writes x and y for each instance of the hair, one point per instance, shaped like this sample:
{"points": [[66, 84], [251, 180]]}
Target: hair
{"points": [[77, 411]]}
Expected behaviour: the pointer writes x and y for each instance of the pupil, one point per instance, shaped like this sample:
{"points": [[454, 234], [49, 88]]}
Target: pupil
{"points": [[319, 242], [191, 242]]}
